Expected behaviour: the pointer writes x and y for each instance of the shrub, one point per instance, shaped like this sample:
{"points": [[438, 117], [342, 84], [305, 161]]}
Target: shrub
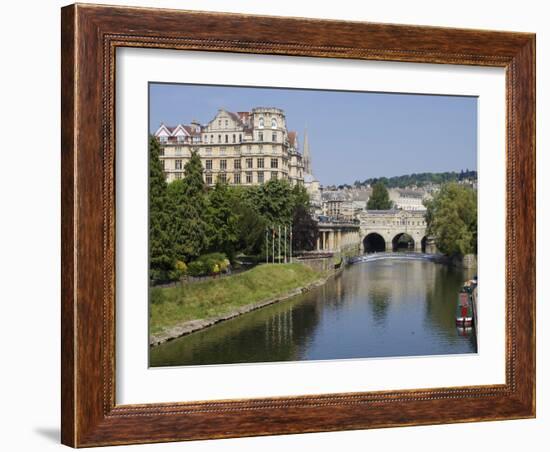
{"points": [[208, 264], [196, 268], [216, 269], [224, 265], [181, 268]]}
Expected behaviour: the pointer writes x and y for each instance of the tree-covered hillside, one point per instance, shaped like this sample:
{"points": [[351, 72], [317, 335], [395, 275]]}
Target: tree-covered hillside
{"points": [[418, 179]]}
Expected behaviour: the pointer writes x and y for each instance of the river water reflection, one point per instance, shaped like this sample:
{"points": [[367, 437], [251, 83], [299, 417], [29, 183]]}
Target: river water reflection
{"points": [[376, 309]]}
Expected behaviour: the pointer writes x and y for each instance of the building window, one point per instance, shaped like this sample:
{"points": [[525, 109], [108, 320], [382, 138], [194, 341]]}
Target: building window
{"points": [[206, 138], [178, 150], [219, 123], [209, 164], [181, 139], [274, 175], [161, 152], [211, 138], [208, 151], [274, 136], [163, 139], [222, 151], [163, 164], [249, 177], [261, 123], [226, 123], [234, 138], [260, 163], [178, 164], [260, 177], [223, 165], [240, 138], [227, 139], [178, 175], [249, 163], [260, 136], [222, 177], [274, 163], [237, 164], [209, 179], [261, 148], [273, 123], [237, 178]]}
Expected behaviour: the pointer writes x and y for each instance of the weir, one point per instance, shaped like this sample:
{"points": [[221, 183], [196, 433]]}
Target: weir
{"points": [[395, 256]]}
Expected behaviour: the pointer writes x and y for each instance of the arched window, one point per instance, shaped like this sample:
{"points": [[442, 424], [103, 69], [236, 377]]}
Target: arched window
{"points": [[261, 123], [273, 123]]}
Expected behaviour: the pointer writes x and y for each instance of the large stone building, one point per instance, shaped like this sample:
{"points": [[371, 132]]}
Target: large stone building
{"points": [[408, 198], [243, 148]]}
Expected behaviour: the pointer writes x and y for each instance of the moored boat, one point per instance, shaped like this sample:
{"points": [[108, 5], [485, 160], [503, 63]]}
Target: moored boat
{"points": [[464, 309]]}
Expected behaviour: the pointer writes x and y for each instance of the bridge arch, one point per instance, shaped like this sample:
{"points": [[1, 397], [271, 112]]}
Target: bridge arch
{"points": [[423, 243], [403, 242], [374, 243]]}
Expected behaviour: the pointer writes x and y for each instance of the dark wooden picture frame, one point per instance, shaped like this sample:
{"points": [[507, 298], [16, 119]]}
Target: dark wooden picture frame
{"points": [[90, 35]]}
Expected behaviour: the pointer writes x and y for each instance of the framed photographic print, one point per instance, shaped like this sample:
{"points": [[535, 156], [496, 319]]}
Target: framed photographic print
{"points": [[281, 225]]}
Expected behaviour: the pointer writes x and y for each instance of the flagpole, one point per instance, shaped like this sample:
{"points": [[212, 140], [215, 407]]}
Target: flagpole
{"points": [[291, 242], [286, 239], [279, 240]]}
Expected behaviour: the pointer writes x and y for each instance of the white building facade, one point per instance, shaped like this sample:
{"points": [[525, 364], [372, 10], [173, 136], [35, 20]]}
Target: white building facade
{"points": [[243, 148]]}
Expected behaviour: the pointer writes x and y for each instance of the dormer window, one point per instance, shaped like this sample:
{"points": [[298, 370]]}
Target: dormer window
{"points": [[163, 139], [181, 139], [261, 123]]}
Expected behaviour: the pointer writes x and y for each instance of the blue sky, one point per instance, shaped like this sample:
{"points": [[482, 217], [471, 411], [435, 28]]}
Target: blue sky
{"points": [[352, 135]]}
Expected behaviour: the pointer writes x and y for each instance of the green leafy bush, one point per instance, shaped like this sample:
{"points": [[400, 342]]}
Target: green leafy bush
{"points": [[196, 268]]}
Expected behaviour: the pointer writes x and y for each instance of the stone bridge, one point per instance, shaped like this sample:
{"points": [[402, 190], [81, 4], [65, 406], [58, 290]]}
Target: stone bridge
{"points": [[393, 230]]}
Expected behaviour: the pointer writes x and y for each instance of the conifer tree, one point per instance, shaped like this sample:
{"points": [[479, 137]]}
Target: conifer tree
{"points": [[161, 257], [222, 220], [189, 228], [380, 198]]}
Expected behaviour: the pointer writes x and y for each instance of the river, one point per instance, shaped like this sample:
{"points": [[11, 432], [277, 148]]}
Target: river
{"points": [[384, 308]]}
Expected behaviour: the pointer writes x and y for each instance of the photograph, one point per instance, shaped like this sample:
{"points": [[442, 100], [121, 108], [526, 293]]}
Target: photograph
{"points": [[297, 224]]}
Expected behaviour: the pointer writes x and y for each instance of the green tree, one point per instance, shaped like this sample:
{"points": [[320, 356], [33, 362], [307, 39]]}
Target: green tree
{"points": [[380, 198], [250, 224], [161, 255], [451, 218], [274, 201], [304, 229], [188, 198], [222, 220]]}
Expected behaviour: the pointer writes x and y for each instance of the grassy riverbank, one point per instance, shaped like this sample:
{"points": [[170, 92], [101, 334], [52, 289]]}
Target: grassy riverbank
{"points": [[213, 298]]}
